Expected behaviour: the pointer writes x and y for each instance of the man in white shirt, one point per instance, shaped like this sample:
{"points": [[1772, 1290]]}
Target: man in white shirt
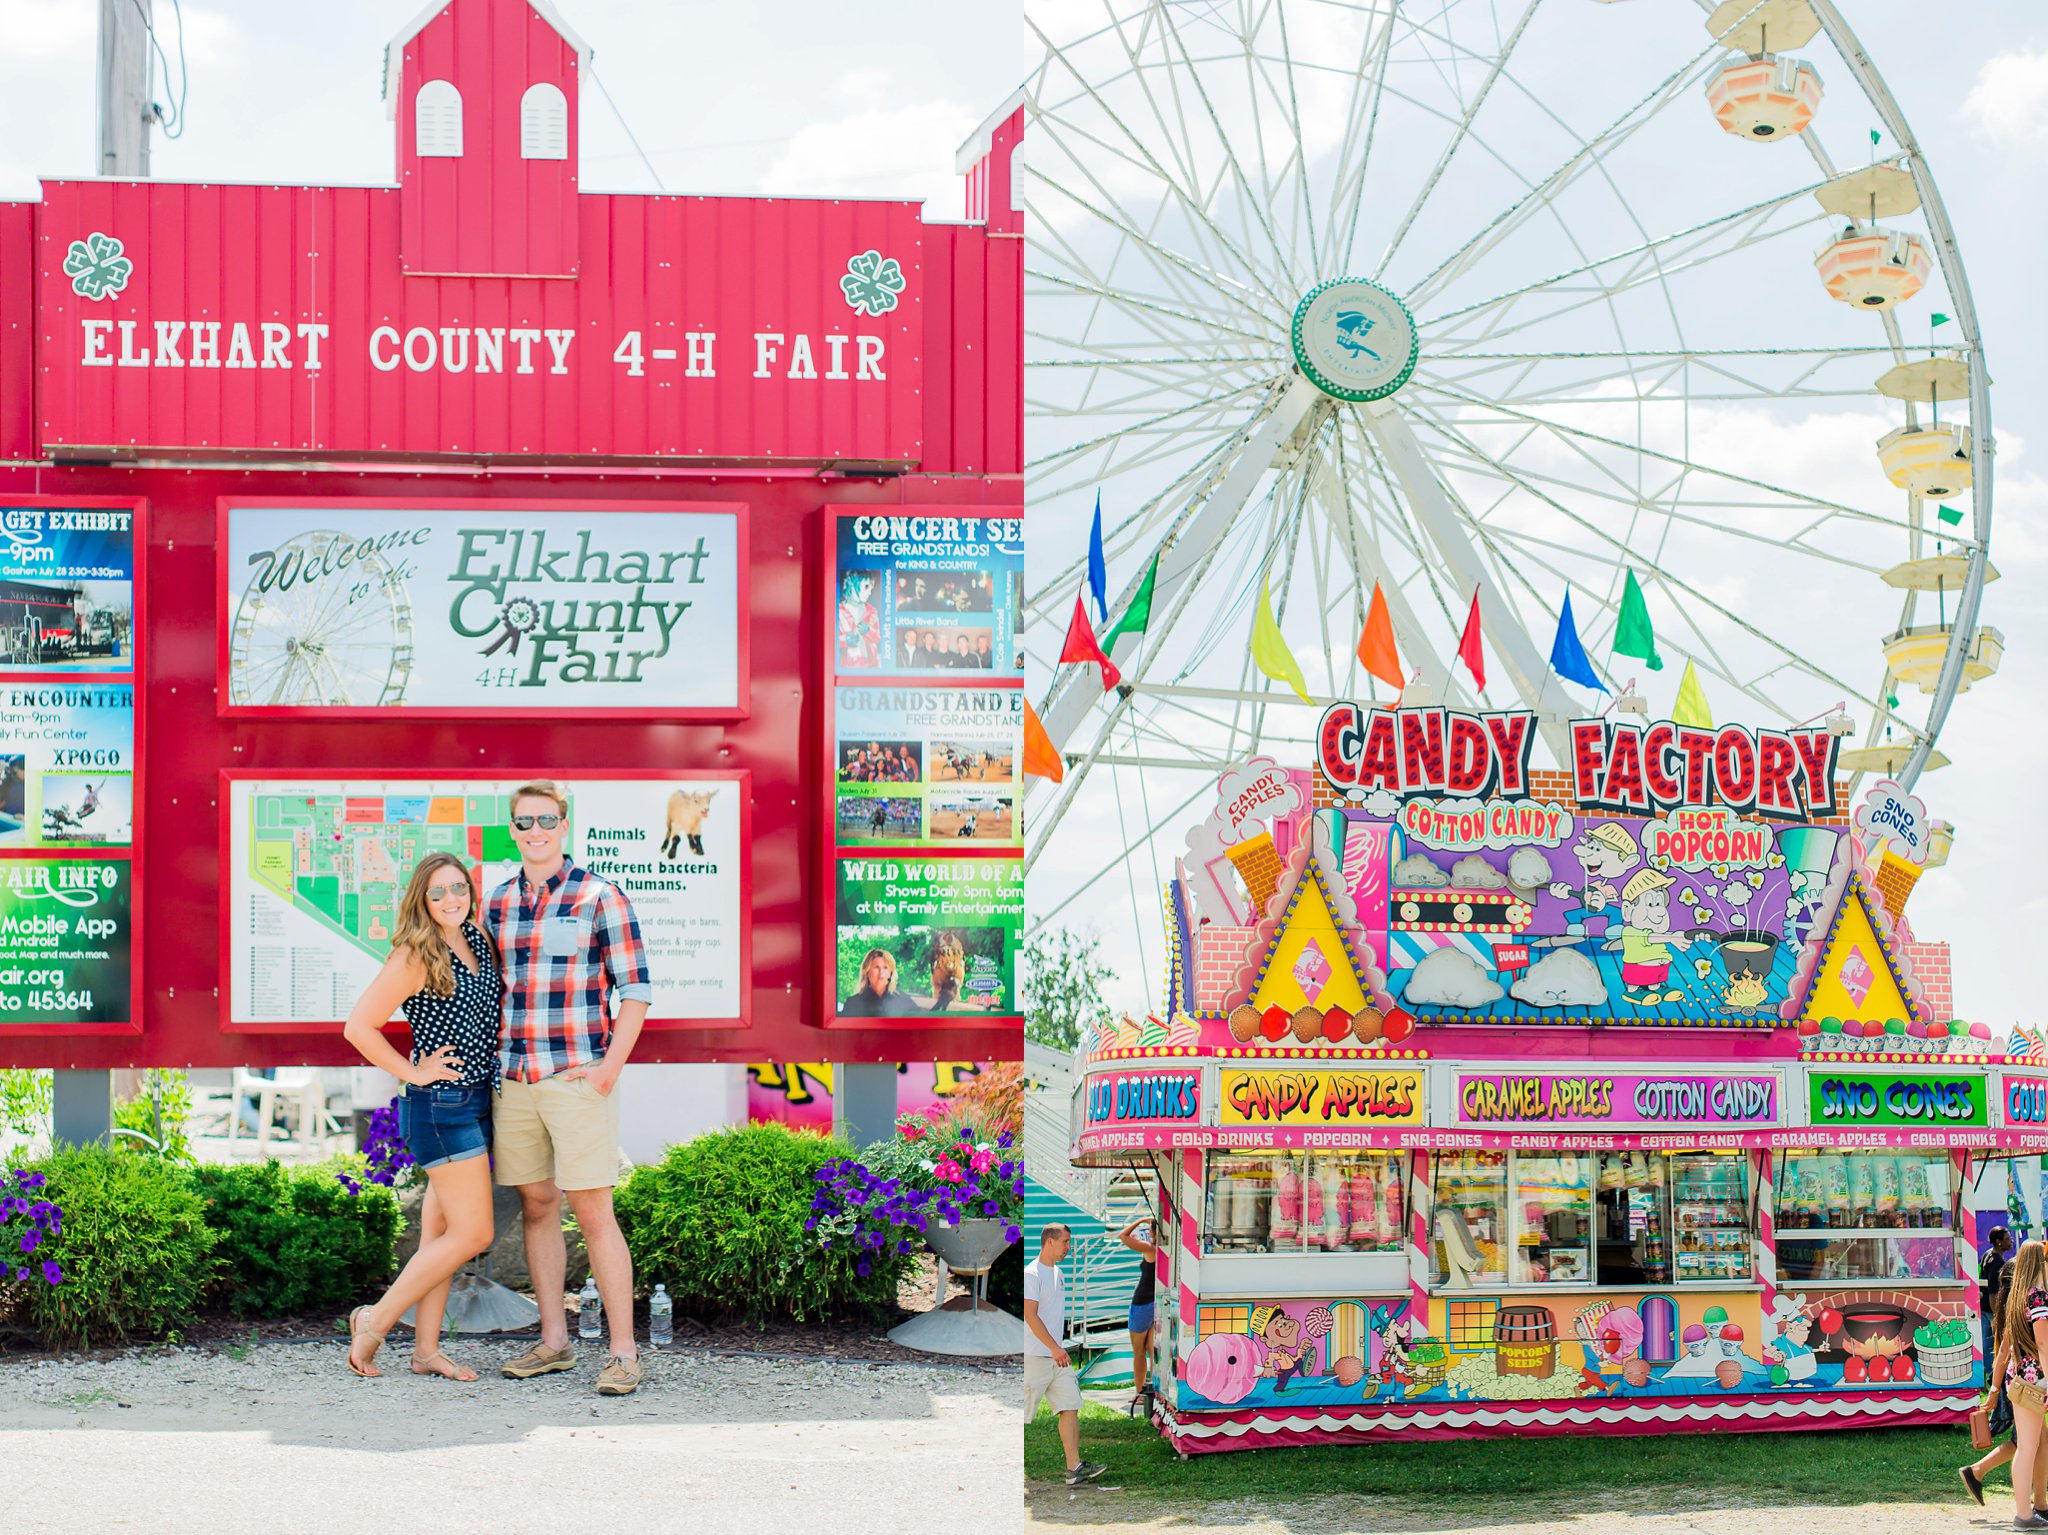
{"points": [[1048, 1372]]}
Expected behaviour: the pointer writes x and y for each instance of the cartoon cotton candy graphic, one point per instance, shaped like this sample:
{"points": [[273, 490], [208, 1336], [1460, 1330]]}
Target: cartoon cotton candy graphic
{"points": [[1224, 1367]]}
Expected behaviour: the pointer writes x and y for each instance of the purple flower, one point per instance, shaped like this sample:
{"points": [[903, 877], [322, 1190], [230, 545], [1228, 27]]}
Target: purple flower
{"points": [[31, 1180], [863, 1268], [1011, 1233], [30, 1242], [52, 1272]]}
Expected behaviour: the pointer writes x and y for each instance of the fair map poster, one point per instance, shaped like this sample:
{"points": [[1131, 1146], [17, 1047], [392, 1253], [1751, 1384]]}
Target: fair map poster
{"points": [[497, 608], [67, 589], [67, 764], [65, 940], [928, 936], [317, 869], [928, 766], [923, 594]]}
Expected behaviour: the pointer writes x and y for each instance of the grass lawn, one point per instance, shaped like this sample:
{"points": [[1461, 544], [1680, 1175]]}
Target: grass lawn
{"points": [[1816, 1466]]}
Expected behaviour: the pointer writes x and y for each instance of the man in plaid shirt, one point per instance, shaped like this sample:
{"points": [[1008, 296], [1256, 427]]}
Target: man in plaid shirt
{"points": [[569, 943]]}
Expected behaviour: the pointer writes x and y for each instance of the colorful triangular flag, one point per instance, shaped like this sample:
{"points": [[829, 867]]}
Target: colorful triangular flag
{"points": [[1269, 648], [1098, 569], [1081, 646], [1470, 649], [1139, 614], [1692, 708], [1632, 633], [1041, 758], [1377, 652], [1567, 656]]}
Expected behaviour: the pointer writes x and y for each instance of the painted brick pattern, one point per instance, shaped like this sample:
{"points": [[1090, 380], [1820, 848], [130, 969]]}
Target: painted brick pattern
{"points": [[1931, 966]]}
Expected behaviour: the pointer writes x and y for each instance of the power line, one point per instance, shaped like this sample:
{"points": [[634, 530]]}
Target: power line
{"points": [[659, 184], [174, 125]]}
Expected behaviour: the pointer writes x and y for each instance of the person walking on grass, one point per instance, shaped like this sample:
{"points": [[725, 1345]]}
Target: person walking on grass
{"points": [[2026, 1381], [443, 975], [1141, 1304], [1048, 1370], [2004, 1445], [571, 947]]}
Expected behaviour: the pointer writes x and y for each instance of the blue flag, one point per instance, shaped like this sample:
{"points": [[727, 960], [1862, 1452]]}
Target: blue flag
{"points": [[1098, 571], [1567, 655]]}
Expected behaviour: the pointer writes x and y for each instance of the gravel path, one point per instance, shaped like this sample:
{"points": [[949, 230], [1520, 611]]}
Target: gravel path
{"points": [[1102, 1510], [283, 1439]]}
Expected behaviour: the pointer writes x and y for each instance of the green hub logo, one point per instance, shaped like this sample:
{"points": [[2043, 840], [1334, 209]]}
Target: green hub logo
{"points": [[1355, 340]]}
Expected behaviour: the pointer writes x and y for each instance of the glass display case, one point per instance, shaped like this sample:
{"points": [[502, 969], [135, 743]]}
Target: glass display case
{"points": [[1469, 1246], [1552, 1207], [1865, 1215], [1631, 1220], [1304, 1202], [1710, 1217]]}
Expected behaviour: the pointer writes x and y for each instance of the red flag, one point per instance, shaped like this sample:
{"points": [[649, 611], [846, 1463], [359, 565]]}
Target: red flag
{"points": [[1376, 652], [1469, 650], [1041, 760], [1081, 646]]}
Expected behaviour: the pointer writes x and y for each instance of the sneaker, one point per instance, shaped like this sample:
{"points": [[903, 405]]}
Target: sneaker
{"points": [[619, 1377], [539, 1360], [1973, 1485], [2031, 1522], [1087, 1471]]}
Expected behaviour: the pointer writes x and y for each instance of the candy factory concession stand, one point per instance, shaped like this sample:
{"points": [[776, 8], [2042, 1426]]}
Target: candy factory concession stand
{"points": [[1497, 1099]]}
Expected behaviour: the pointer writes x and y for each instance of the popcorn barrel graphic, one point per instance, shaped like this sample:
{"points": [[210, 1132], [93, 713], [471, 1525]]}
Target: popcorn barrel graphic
{"points": [[1257, 863]]}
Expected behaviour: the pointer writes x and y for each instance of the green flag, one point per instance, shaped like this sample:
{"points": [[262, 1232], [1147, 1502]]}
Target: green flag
{"points": [[1875, 136], [1269, 650], [1949, 515], [1633, 635], [1939, 319], [1138, 614]]}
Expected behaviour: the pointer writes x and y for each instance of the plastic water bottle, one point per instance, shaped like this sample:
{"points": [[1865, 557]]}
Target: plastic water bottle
{"points": [[660, 1317], [590, 1323]]}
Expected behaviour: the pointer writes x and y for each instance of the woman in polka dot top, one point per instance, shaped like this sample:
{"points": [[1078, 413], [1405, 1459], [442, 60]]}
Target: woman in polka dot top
{"points": [[2026, 1381], [443, 975]]}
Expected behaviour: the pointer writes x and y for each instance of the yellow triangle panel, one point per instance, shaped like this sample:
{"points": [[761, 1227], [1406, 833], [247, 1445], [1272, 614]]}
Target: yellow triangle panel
{"points": [[1857, 977], [1308, 965]]}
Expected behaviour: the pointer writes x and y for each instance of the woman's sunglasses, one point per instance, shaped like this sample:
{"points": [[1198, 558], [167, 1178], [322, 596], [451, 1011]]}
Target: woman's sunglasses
{"points": [[443, 892], [528, 822]]}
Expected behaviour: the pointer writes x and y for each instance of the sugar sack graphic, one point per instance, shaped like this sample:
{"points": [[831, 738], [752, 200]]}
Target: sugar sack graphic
{"points": [[1562, 978], [1450, 978]]}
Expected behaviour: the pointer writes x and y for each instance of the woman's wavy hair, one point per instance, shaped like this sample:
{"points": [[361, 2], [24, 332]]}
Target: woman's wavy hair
{"points": [[416, 928]]}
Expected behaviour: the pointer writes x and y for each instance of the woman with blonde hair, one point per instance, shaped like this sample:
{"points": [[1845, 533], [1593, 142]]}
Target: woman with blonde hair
{"points": [[443, 974], [2026, 1381]]}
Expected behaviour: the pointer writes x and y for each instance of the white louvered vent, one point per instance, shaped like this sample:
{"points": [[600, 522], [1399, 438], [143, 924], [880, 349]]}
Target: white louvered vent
{"points": [[437, 120], [543, 123]]}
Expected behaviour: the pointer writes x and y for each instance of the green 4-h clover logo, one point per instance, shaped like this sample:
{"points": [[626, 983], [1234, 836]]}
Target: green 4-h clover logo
{"points": [[96, 267], [871, 284]]}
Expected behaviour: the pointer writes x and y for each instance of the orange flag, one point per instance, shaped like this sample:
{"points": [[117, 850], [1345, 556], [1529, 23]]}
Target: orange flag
{"points": [[1041, 759], [1081, 646], [1376, 652]]}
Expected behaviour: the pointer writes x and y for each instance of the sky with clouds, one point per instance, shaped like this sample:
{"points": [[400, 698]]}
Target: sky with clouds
{"points": [[1975, 92]]}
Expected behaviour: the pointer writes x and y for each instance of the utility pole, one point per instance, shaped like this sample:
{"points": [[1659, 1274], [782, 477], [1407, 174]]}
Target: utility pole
{"points": [[124, 87], [82, 1110]]}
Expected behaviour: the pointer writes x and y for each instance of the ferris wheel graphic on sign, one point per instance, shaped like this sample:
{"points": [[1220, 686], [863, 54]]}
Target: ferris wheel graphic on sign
{"points": [[322, 644]]}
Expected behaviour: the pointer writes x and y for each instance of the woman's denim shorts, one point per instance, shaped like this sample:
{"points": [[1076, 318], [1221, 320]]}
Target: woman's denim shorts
{"points": [[1141, 1318], [445, 1123]]}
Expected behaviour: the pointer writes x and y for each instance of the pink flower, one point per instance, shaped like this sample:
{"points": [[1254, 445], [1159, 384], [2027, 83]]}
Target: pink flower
{"points": [[913, 1132], [949, 1170], [982, 1161]]}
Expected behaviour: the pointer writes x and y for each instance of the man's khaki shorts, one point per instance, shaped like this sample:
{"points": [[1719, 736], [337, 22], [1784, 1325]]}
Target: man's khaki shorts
{"points": [[558, 1128], [1046, 1381]]}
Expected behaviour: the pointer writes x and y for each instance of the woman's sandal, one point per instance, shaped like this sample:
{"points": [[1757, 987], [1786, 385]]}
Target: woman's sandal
{"points": [[355, 1331], [424, 1366]]}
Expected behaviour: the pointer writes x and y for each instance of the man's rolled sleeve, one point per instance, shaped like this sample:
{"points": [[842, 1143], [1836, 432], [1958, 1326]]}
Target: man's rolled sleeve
{"points": [[625, 955]]}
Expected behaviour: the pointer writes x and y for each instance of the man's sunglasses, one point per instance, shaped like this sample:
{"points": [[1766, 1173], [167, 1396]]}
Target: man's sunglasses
{"points": [[443, 892], [544, 822]]}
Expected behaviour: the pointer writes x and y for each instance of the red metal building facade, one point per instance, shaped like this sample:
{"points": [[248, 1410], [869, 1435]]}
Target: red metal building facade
{"points": [[484, 331]]}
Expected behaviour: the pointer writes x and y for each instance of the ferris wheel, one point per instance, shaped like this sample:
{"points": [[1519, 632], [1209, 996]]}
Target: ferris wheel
{"points": [[324, 644], [1519, 299]]}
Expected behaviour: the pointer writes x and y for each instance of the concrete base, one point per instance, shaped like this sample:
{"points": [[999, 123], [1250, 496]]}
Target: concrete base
{"points": [[954, 1329], [477, 1304]]}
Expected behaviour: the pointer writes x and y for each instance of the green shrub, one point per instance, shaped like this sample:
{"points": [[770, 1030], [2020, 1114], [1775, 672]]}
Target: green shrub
{"points": [[295, 1240], [720, 1221], [25, 1101], [135, 1249]]}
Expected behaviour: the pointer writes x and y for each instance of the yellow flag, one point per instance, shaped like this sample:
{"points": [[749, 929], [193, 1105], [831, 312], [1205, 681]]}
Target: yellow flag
{"points": [[1691, 707], [1269, 651]]}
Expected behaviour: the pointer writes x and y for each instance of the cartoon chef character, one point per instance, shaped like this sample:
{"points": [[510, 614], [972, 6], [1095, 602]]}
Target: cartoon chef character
{"points": [[1645, 938], [1287, 1350], [1605, 853], [1793, 1327]]}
